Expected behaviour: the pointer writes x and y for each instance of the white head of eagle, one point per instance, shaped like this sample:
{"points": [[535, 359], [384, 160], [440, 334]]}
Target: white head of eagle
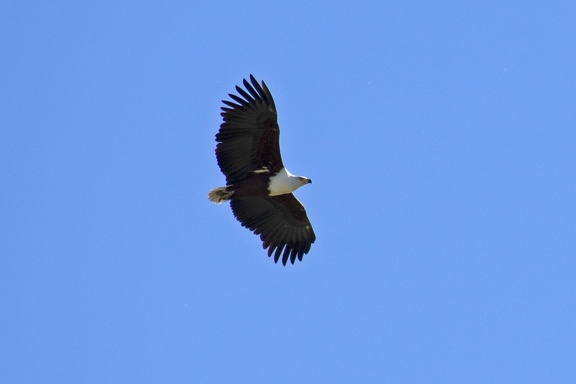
{"points": [[258, 185]]}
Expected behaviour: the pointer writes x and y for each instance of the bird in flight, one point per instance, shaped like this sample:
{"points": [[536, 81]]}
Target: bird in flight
{"points": [[258, 185]]}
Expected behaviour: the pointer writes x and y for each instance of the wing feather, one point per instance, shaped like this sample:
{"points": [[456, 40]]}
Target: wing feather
{"points": [[281, 222], [249, 136]]}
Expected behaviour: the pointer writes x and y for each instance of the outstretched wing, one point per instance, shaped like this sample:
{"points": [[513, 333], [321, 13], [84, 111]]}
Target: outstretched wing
{"points": [[249, 136], [281, 222]]}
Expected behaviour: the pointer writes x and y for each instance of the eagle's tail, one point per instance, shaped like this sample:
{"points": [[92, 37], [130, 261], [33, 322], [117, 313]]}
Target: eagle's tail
{"points": [[220, 195]]}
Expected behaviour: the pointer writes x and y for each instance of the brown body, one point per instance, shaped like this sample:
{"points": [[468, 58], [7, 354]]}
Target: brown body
{"points": [[255, 185]]}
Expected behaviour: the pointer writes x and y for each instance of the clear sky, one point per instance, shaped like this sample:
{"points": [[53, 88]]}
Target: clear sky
{"points": [[441, 139]]}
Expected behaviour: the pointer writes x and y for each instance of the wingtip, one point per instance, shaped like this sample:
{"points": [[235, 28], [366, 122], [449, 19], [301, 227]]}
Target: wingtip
{"points": [[256, 83]]}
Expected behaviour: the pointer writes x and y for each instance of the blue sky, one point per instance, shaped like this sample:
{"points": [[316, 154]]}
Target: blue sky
{"points": [[441, 140]]}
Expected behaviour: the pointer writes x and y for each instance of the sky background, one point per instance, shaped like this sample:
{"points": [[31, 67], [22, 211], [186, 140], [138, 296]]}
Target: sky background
{"points": [[441, 138]]}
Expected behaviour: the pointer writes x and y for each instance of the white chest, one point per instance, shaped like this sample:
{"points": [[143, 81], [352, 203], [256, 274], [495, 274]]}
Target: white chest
{"points": [[283, 182]]}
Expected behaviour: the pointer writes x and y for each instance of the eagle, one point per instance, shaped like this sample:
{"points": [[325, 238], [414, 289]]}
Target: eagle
{"points": [[258, 185]]}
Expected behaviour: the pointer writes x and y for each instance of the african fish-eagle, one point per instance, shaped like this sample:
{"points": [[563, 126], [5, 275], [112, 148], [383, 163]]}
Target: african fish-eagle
{"points": [[258, 185]]}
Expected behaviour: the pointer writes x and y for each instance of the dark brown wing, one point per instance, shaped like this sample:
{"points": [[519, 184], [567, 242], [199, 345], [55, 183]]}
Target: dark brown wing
{"points": [[249, 136], [281, 222]]}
